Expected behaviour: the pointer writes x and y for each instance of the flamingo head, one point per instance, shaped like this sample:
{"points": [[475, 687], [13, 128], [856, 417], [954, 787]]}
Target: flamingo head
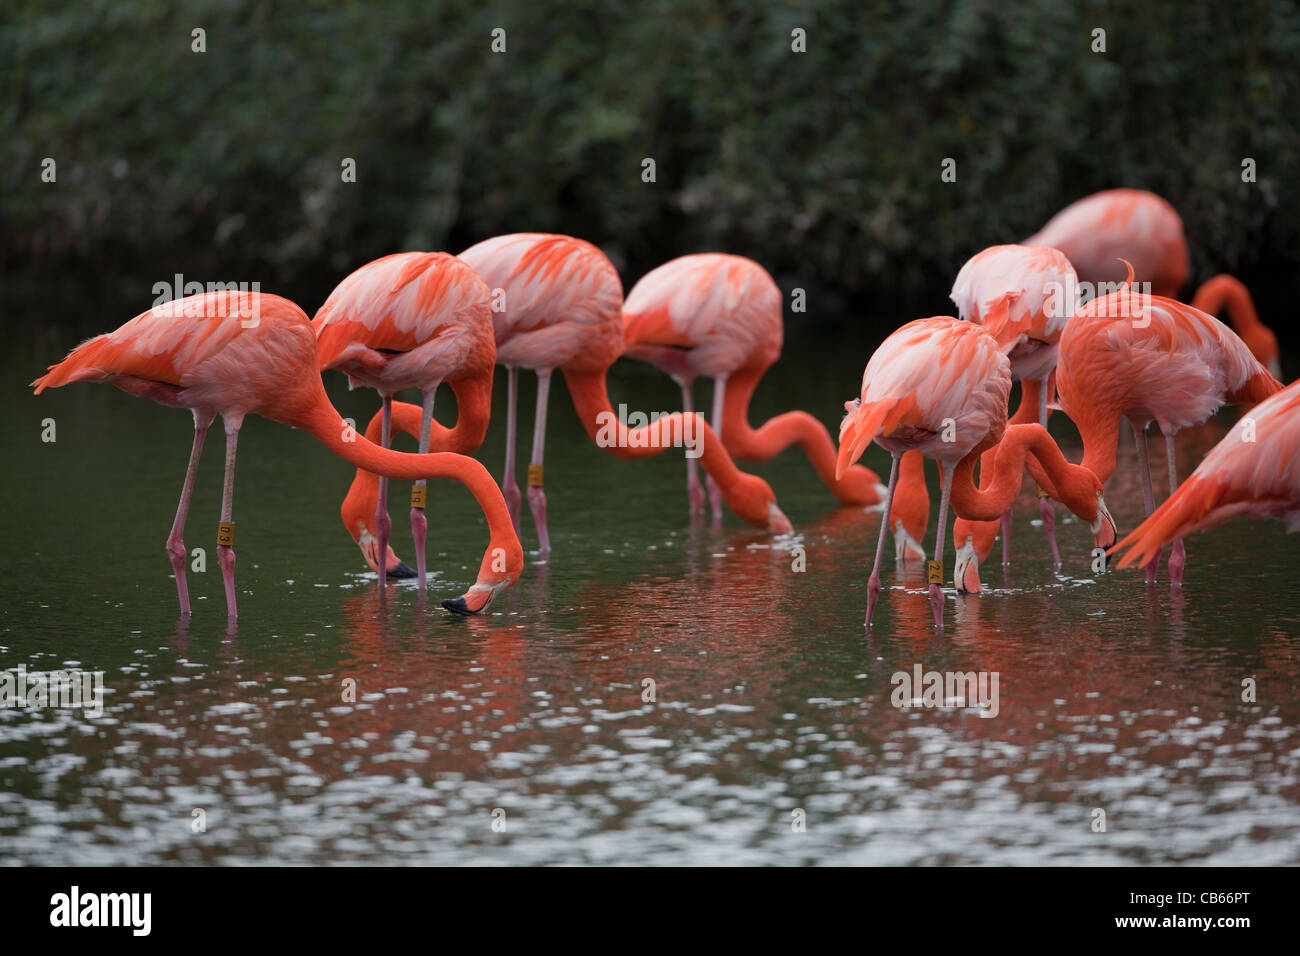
{"points": [[966, 569], [1104, 531], [357, 509]]}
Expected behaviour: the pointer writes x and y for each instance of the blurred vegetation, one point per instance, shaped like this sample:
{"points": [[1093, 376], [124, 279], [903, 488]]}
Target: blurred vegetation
{"points": [[822, 165]]}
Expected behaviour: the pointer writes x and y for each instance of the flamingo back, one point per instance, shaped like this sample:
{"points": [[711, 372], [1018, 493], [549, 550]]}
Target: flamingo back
{"points": [[407, 320], [1097, 231], [939, 385], [1154, 359], [705, 314], [557, 301]]}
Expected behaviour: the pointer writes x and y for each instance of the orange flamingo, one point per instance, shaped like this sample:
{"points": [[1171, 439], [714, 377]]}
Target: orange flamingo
{"points": [[1023, 295], [909, 513], [1254, 470], [234, 354], [1224, 290], [409, 320], [719, 316], [1096, 232], [563, 310], [1150, 358], [940, 386]]}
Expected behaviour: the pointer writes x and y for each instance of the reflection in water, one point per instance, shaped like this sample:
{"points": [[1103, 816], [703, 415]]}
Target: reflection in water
{"points": [[768, 694]]}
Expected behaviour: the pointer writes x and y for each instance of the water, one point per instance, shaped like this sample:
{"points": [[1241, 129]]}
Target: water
{"points": [[770, 698]]}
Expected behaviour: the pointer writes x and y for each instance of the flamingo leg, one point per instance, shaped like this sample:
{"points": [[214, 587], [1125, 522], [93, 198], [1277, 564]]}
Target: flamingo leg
{"points": [[1006, 537], [383, 523], [226, 530], [1148, 496], [509, 487], [536, 494], [694, 490], [175, 541], [719, 396], [1045, 507], [1178, 551], [936, 590], [419, 523], [873, 582]]}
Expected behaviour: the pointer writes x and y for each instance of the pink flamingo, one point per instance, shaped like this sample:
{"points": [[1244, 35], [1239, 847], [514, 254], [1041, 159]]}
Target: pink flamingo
{"points": [[940, 386], [562, 310], [1096, 232], [409, 320], [1254, 470], [234, 354], [1150, 358], [719, 316], [1023, 296]]}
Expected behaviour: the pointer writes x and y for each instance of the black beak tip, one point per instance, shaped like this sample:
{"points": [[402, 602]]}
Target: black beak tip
{"points": [[402, 572], [457, 606]]}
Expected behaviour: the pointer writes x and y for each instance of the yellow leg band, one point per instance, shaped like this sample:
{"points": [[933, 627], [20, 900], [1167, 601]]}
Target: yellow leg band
{"points": [[226, 534], [934, 572], [534, 476], [1041, 492], [417, 496]]}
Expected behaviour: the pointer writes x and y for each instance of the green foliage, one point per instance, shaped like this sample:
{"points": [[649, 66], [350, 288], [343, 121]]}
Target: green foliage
{"points": [[824, 164]]}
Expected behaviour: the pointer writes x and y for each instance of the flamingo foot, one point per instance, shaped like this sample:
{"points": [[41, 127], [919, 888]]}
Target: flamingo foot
{"points": [[936, 602], [1177, 562], [537, 504], [176, 551], [383, 534], [419, 532], [1048, 511], [1151, 569], [226, 557], [873, 594], [695, 495], [715, 498]]}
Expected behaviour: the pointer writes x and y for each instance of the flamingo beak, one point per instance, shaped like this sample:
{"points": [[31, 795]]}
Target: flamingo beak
{"points": [[966, 569], [475, 600], [1104, 532]]}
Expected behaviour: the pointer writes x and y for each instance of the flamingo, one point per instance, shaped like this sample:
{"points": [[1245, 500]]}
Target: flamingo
{"points": [[1225, 290], [563, 310], [1096, 232], [940, 386], [1023, 296], [719, 316], [234, 354], [409, 320], [1150, 358], [1254, 470], [909, 512]]}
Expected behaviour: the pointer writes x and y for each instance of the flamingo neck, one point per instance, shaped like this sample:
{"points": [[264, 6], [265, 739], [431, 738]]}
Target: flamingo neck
{"points": [[749, 496], [858, 486], [998, 490], [1225, 290], [504, 557]]}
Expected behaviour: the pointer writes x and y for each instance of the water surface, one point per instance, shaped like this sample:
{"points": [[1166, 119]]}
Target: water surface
{"points": [[770, 698]]}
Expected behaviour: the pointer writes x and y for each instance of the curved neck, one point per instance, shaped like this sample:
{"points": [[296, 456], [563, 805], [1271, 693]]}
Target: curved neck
{"points": [[1223, 290], [504, 557], [1100, 434], [748, 495], [1076, 485], [779, 433]]}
